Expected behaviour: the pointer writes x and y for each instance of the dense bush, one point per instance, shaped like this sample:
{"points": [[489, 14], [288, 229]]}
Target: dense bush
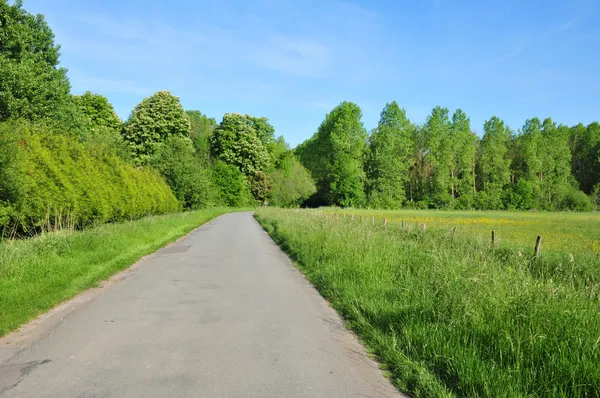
{"points": [[232, 187], [191, 183], [291, 183], [53, 180]]}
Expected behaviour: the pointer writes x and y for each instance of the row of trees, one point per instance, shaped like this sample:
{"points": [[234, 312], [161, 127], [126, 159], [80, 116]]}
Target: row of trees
{"points": [[443, 164], [69, 159]]}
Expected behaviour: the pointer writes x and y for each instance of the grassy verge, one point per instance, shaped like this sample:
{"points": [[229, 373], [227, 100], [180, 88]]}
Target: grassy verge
{"points": [[448, 317], [38, 273]]}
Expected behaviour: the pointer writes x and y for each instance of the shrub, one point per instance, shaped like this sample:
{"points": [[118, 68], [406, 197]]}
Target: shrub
{"points": [[56, 181], [576, 200]]}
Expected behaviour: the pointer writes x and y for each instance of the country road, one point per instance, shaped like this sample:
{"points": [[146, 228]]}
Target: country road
{"points": [[220, 313]]}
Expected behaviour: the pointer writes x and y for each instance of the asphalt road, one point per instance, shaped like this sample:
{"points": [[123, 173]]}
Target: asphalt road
{"points": [[221, 313]]}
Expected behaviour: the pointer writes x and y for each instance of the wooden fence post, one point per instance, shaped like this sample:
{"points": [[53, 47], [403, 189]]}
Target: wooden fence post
{"points": [[385, 221], [453, 232], [373, 220], [402, 225], [493, 238], [538, 246], [353, 216]]}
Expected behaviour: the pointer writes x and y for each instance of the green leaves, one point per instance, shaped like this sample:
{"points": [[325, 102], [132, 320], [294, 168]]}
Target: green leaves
{"points": [[335, 156], [388, 158], [236, 142], [32, 86], [152, 121]]}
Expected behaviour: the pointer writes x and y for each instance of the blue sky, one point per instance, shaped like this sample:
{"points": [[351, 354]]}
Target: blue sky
{"points": [[293, 61]]}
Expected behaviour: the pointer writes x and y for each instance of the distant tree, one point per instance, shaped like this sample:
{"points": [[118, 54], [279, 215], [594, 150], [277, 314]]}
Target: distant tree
{"points": [[439, 156], [585, 155], [152, 121], [231, 184], [190, 182], [291, 183], [493, 163], [202, 128], [236, 142], [32, 85], [388, 158], [99, 113], [335, 156], [462, 171]]}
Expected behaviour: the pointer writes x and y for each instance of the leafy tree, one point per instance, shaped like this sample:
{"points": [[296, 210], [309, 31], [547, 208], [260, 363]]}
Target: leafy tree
{"points": [[32, 86], [236, 142], [202, 128], [439, 156], [152, 121], [335, 156], [264, 131], [291, 184], [585, 155], [463, 144], [175, 160], [260, 186], [388, 159], [494, 163], [99, 113], [233, 190]]}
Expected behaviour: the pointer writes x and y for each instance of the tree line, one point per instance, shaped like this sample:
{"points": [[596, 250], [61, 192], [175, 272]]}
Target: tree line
{"points": [[443, 164], [68, 160]]}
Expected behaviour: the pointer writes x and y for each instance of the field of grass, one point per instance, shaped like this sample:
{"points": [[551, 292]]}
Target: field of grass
{"points": [[561, 232], [38, 273], [455, 317]]}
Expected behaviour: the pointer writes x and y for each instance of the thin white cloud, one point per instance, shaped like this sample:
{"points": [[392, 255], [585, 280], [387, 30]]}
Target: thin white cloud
{"points": [[295, 56]]}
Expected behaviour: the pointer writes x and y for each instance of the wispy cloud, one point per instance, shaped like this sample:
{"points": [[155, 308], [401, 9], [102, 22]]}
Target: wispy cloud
{"points": [[293, 55]]}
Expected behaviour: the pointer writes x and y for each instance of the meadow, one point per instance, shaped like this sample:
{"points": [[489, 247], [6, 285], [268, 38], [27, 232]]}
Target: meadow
{"points": [[39, 273], [561, 232], [455, 316]]}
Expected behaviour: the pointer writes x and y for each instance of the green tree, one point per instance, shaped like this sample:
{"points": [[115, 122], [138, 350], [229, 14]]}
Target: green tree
{"points": [[202, 128], [291, 183], [152, 121], [99, 113], [236, 142], [335, 157], [32, 86], [493, 163], [463, 144], [388, 158], [439, 156], [232, 187], [585, 155], [175, 160]]}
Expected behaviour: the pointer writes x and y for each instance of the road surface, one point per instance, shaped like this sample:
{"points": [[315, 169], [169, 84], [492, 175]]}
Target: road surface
{"points": [[220, 313]]}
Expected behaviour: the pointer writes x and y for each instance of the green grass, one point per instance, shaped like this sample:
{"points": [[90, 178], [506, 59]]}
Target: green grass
{"points": [[451, 317], [561, 232], [38, 273]]}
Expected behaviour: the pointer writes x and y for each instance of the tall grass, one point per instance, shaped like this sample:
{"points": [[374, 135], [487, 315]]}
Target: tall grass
{"points": [[38, 273], [450, 317]]}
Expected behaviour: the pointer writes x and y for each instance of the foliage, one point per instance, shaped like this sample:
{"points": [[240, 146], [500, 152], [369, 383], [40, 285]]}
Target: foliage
{"points": [[292, 184], [453, 317], [233, 190], [55, 181], [99, 113], [202, 128], [388, 159], [493, 164], [235, 141], [175, 160], [32, 85], [152, 121], [260, 186], [335, 156]]}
